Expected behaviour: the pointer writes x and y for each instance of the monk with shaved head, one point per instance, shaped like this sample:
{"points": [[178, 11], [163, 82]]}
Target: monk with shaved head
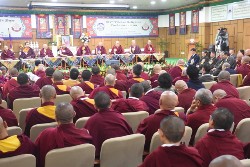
{"points": [[108, 88], [226, 161], [45, 113], [149, 49], [176, 70], [64, 135], [150, 125], [100, 49], [58, 83], [244, 68], [172, 152], [86, 85], [117, 48], [10, 84], [134, 49], [154, 78], [83, 106], [13, 145]]}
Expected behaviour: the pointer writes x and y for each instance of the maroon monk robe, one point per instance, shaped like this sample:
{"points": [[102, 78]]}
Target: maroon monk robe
{"points": [[117, 50], [87, 86], [151, 124], [120, 75], [131, 104], [61, 89], [7, 55], [47, 52], [125, 85], [27, 53], [184, 78], [175, 72], [64, 135], [217, 143], [100, 48], [199, 117], [97, 80], [66, 52], [238, 107], [154, 80], [149, 49], [8, 116], [135, 49], [84, 107], [26, 147], [34, 117], [9, 85], [40, 74], [107, 124], [44, 81], [151, 98], [176, 156], [23, 91], [244, 69], [227, 87], [145, 76], [110, 90], [185, 98], [83, 50]]}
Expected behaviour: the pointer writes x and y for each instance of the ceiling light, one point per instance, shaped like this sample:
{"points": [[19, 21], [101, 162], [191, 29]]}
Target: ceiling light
{"points": [[163, 0], [54, 0], [152, 2], [111, 1], [134, 7]]}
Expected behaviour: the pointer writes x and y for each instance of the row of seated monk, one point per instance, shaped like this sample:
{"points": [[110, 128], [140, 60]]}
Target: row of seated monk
{"points": [[220, 106], [28, 52]]}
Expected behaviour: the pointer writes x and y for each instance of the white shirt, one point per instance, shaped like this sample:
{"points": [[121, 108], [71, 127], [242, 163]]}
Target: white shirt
{"points": [[168, 145], [133, 98], [212, 130]]}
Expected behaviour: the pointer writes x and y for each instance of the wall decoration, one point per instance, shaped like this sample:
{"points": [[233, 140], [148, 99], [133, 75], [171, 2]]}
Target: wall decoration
{"points": [[172, 29], [183, 25], [42, 26], [195, 21], [76, 26]]}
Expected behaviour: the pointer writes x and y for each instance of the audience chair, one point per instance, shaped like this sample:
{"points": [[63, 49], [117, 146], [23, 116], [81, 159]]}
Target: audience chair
{"points": [[179, 109], [63, 98], [134, 118], [242, 130], [234, 79], [244, 92], [24, 160], [124, 94], [126, 151], [14, 130], [37, 129], [187, 135], [22, 117], [76, 156], [245, 162], [208, 85], [24, 103], [202, 130], [80, 123], [4, 104]]}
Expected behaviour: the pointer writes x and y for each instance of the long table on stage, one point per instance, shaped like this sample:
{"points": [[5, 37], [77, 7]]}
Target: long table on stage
{"points": [[83, 61]]}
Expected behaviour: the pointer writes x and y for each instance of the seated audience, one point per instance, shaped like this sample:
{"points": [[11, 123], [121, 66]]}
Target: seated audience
{"points": [[133, 103], [193, 75], [13, 145], [83, 106], [206, 76], [154, 78], [199, 112], [244, 68], [108, 88], [47, 80], [165, 83], [86, 85], [151, 124], [246, 80], [107, 123], [58, 83], [40, 71], [24, 90], [239, 58], [185, 94], [219, 140], [226, 161], [64, 135], [172, 152], [225, 84], [176, 71], [225, 57], [143, 75], [194, 59], [73, 80], [45, 113], [213, 59], [226, 67], [119, 73], [7, 115], [96, 78], [204, 58], [10, 84], [183, 76]]}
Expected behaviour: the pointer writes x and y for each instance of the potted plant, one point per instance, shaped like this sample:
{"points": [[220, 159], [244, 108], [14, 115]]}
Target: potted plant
{"points": [[163, 44]]}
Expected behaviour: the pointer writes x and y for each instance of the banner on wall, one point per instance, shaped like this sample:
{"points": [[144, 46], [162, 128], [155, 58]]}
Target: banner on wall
{"points": [[16, 25], [76, 26], [195, 21], [172, 24], [122, 26], [61, 26], [183, 25], [42, 26]]}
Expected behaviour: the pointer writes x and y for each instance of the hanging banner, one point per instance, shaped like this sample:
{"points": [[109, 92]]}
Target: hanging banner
{"points": [[172, 24], [122, 26], [195, 21], [42, 26], [76, 26], [15, 26], [61, 26], [183, 26]]}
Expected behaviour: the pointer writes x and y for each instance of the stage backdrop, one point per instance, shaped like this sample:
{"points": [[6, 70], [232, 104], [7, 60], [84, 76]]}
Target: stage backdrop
{"points": [[15, 25], [122, 26]]}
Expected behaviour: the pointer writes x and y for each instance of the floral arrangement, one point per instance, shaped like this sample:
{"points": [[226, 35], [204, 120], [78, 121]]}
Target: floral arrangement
{"points": [[85, 38]]}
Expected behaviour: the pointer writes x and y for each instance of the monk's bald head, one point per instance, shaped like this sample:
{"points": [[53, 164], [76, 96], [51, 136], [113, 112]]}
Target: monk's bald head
{"points": [[180, 85], [224, 75], [13, 72], [245, 59], [162, 72], [157, 68], [168, 100], [48, 93], [136, 90], [57, 76], [110, 80], [111, 71], [172, 128], [180, 62], [226, 161], [146, 86], [76, 92], [65, 113], [218, 94]]}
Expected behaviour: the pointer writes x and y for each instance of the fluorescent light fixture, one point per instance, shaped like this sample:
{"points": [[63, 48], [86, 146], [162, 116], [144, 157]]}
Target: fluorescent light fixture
{"points": [[152, 2], [74, 5], [163, 0], [111, 1], [134, 7]]}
